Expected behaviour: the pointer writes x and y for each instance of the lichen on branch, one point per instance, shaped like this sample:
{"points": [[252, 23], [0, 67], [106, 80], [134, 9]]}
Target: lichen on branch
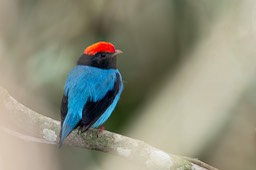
{"points": [[34, 127]]}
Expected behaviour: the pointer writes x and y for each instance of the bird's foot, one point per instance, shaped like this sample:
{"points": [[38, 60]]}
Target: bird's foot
{"points": [[100, 130], [82, 129], [79, 130]]}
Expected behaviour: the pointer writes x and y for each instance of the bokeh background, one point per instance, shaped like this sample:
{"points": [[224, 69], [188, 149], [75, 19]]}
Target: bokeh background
{"points": [[189, 69]]}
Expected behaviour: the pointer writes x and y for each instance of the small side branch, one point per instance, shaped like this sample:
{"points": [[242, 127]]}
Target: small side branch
{"points": [[34, 127]]}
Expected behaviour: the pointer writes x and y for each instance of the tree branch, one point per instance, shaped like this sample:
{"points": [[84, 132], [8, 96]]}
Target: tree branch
{"points": [[34, 127]]}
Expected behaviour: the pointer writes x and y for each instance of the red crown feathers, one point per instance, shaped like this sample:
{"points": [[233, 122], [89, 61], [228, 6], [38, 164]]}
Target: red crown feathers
{"points": [[100, 47]]}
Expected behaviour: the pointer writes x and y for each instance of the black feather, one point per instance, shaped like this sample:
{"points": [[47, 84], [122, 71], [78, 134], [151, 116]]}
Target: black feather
{"points": [[106, 62], [63, 111], [93, 110]]}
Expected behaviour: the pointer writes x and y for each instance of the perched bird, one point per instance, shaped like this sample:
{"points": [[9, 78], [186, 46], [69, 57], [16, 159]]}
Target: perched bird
{"points": [[92, 89]]}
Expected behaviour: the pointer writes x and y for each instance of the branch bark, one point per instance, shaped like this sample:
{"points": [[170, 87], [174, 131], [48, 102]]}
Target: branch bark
{"points": [[31, 126]]}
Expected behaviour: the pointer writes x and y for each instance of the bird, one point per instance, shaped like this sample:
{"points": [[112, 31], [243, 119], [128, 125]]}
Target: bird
{"points": [[92, 89]]}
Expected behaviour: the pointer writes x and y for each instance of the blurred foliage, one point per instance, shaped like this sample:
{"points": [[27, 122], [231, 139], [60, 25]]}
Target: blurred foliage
{"points": [[45, 38]]}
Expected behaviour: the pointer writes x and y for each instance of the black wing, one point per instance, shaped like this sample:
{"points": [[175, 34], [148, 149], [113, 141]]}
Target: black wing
{"points": [[64, 107], [93, 110], [63, 110]]}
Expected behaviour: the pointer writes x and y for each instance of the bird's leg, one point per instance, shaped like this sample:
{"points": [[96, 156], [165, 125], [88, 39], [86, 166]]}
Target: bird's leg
{"points": [[79, 130], [83, 127], [100, 130], [80, 127]]}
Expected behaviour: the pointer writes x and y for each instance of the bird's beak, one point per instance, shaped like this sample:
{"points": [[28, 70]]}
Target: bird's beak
{"points": [[117, 52]]}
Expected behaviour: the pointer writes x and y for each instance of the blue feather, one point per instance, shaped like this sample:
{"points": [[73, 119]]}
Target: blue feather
{"points": [[88, 83]]}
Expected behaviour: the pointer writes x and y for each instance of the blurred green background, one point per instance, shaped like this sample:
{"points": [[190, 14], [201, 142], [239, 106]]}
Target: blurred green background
{"points": [[189, 69]]}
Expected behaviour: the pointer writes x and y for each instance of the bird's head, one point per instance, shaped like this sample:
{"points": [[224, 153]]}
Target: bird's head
{"points": [[100, 54]]}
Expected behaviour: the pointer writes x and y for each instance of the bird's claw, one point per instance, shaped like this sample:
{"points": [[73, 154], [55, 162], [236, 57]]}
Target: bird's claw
{"points": [[100, 130]]}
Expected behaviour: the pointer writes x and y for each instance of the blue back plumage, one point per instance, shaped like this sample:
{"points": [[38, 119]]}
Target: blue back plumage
{"points": [[88, 83]]}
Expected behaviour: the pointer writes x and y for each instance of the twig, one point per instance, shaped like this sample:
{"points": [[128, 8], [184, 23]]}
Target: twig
{"points": [[42, 129]]}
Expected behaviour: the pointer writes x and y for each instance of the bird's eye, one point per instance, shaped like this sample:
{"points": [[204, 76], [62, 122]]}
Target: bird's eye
{"points": [[103, 55]]}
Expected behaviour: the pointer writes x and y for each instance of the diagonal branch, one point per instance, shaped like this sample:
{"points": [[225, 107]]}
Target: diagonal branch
{"points": [[34, 127]]}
